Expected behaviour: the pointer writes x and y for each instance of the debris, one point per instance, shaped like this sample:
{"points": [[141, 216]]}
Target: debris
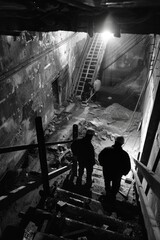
{"points": [[105, 227], [114, 215], [128, 232]]}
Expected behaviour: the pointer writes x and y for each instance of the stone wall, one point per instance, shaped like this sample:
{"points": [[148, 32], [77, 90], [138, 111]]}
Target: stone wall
{"points": [[33, 66]]}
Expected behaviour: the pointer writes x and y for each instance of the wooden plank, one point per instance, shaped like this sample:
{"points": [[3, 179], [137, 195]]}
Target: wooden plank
{"points": [[95, 232], [93, 205], [93, 218], [44, 236], [152, 178], [152, 228]]}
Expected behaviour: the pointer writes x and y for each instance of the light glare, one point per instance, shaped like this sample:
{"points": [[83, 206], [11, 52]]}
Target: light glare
{"points": [[106, 35]]}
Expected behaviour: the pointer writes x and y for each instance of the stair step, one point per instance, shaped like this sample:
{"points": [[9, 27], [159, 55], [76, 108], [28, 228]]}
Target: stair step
{"points": [[45, 236], [93, 231], [68, 196], [90, 217]]}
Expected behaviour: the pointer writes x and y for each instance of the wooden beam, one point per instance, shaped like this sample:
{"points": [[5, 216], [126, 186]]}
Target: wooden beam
{"points": [[93, 218], [29, 146], [151, 225], [152, 179], [75, 131], [42, 155], [74, 159]]}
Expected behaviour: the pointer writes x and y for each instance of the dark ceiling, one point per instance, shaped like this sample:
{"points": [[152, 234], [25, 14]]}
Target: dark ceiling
{"points": [[125, 16]]}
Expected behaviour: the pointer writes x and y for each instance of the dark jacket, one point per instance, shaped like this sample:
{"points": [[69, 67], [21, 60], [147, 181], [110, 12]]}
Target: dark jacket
{"points": [[84, 151], [115, 161]]}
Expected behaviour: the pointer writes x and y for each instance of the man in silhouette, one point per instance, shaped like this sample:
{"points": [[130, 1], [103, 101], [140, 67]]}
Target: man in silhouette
{"points": [[84, 153], [115, 162]]}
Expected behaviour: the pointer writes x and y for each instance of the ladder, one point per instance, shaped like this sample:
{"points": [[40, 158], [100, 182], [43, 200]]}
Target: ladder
{"points": [[91, 64]]}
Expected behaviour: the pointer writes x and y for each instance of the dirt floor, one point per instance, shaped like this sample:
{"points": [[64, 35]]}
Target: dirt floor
{"points": [[108, 122]]}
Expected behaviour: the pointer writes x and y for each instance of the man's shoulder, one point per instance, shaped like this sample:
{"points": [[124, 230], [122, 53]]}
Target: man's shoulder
{"points": [[106, 151], [109, 148], [125, 154]]}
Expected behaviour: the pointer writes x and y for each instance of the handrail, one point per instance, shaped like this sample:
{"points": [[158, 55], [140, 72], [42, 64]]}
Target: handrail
{"points": [[151, 224], [152, 178], [30, 146]]}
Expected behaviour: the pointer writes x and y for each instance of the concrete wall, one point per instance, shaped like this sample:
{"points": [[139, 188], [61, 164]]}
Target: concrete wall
{"points": [[122, 57], [123, 71], [29, 65]]}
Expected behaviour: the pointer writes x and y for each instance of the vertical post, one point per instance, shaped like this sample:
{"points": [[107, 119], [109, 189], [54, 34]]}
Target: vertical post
{"points": [[75, 136], [42, 155], [75, 131]]}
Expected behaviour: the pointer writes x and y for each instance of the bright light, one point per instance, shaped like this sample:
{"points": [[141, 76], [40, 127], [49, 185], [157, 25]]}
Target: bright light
{"points": [[106, 35]]}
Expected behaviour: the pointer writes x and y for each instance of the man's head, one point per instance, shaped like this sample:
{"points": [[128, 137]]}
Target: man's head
{"points": [[90, 133], [119, 140]]}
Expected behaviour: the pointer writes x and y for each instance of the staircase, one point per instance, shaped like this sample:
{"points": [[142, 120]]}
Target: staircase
{"points": [[91, 64], [76, 212]]}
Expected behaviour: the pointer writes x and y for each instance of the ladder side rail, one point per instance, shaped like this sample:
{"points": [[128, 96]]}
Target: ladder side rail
{"points": [[78, 68], [93, 53], [89, 63], [100, 57], [82, 65]]}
